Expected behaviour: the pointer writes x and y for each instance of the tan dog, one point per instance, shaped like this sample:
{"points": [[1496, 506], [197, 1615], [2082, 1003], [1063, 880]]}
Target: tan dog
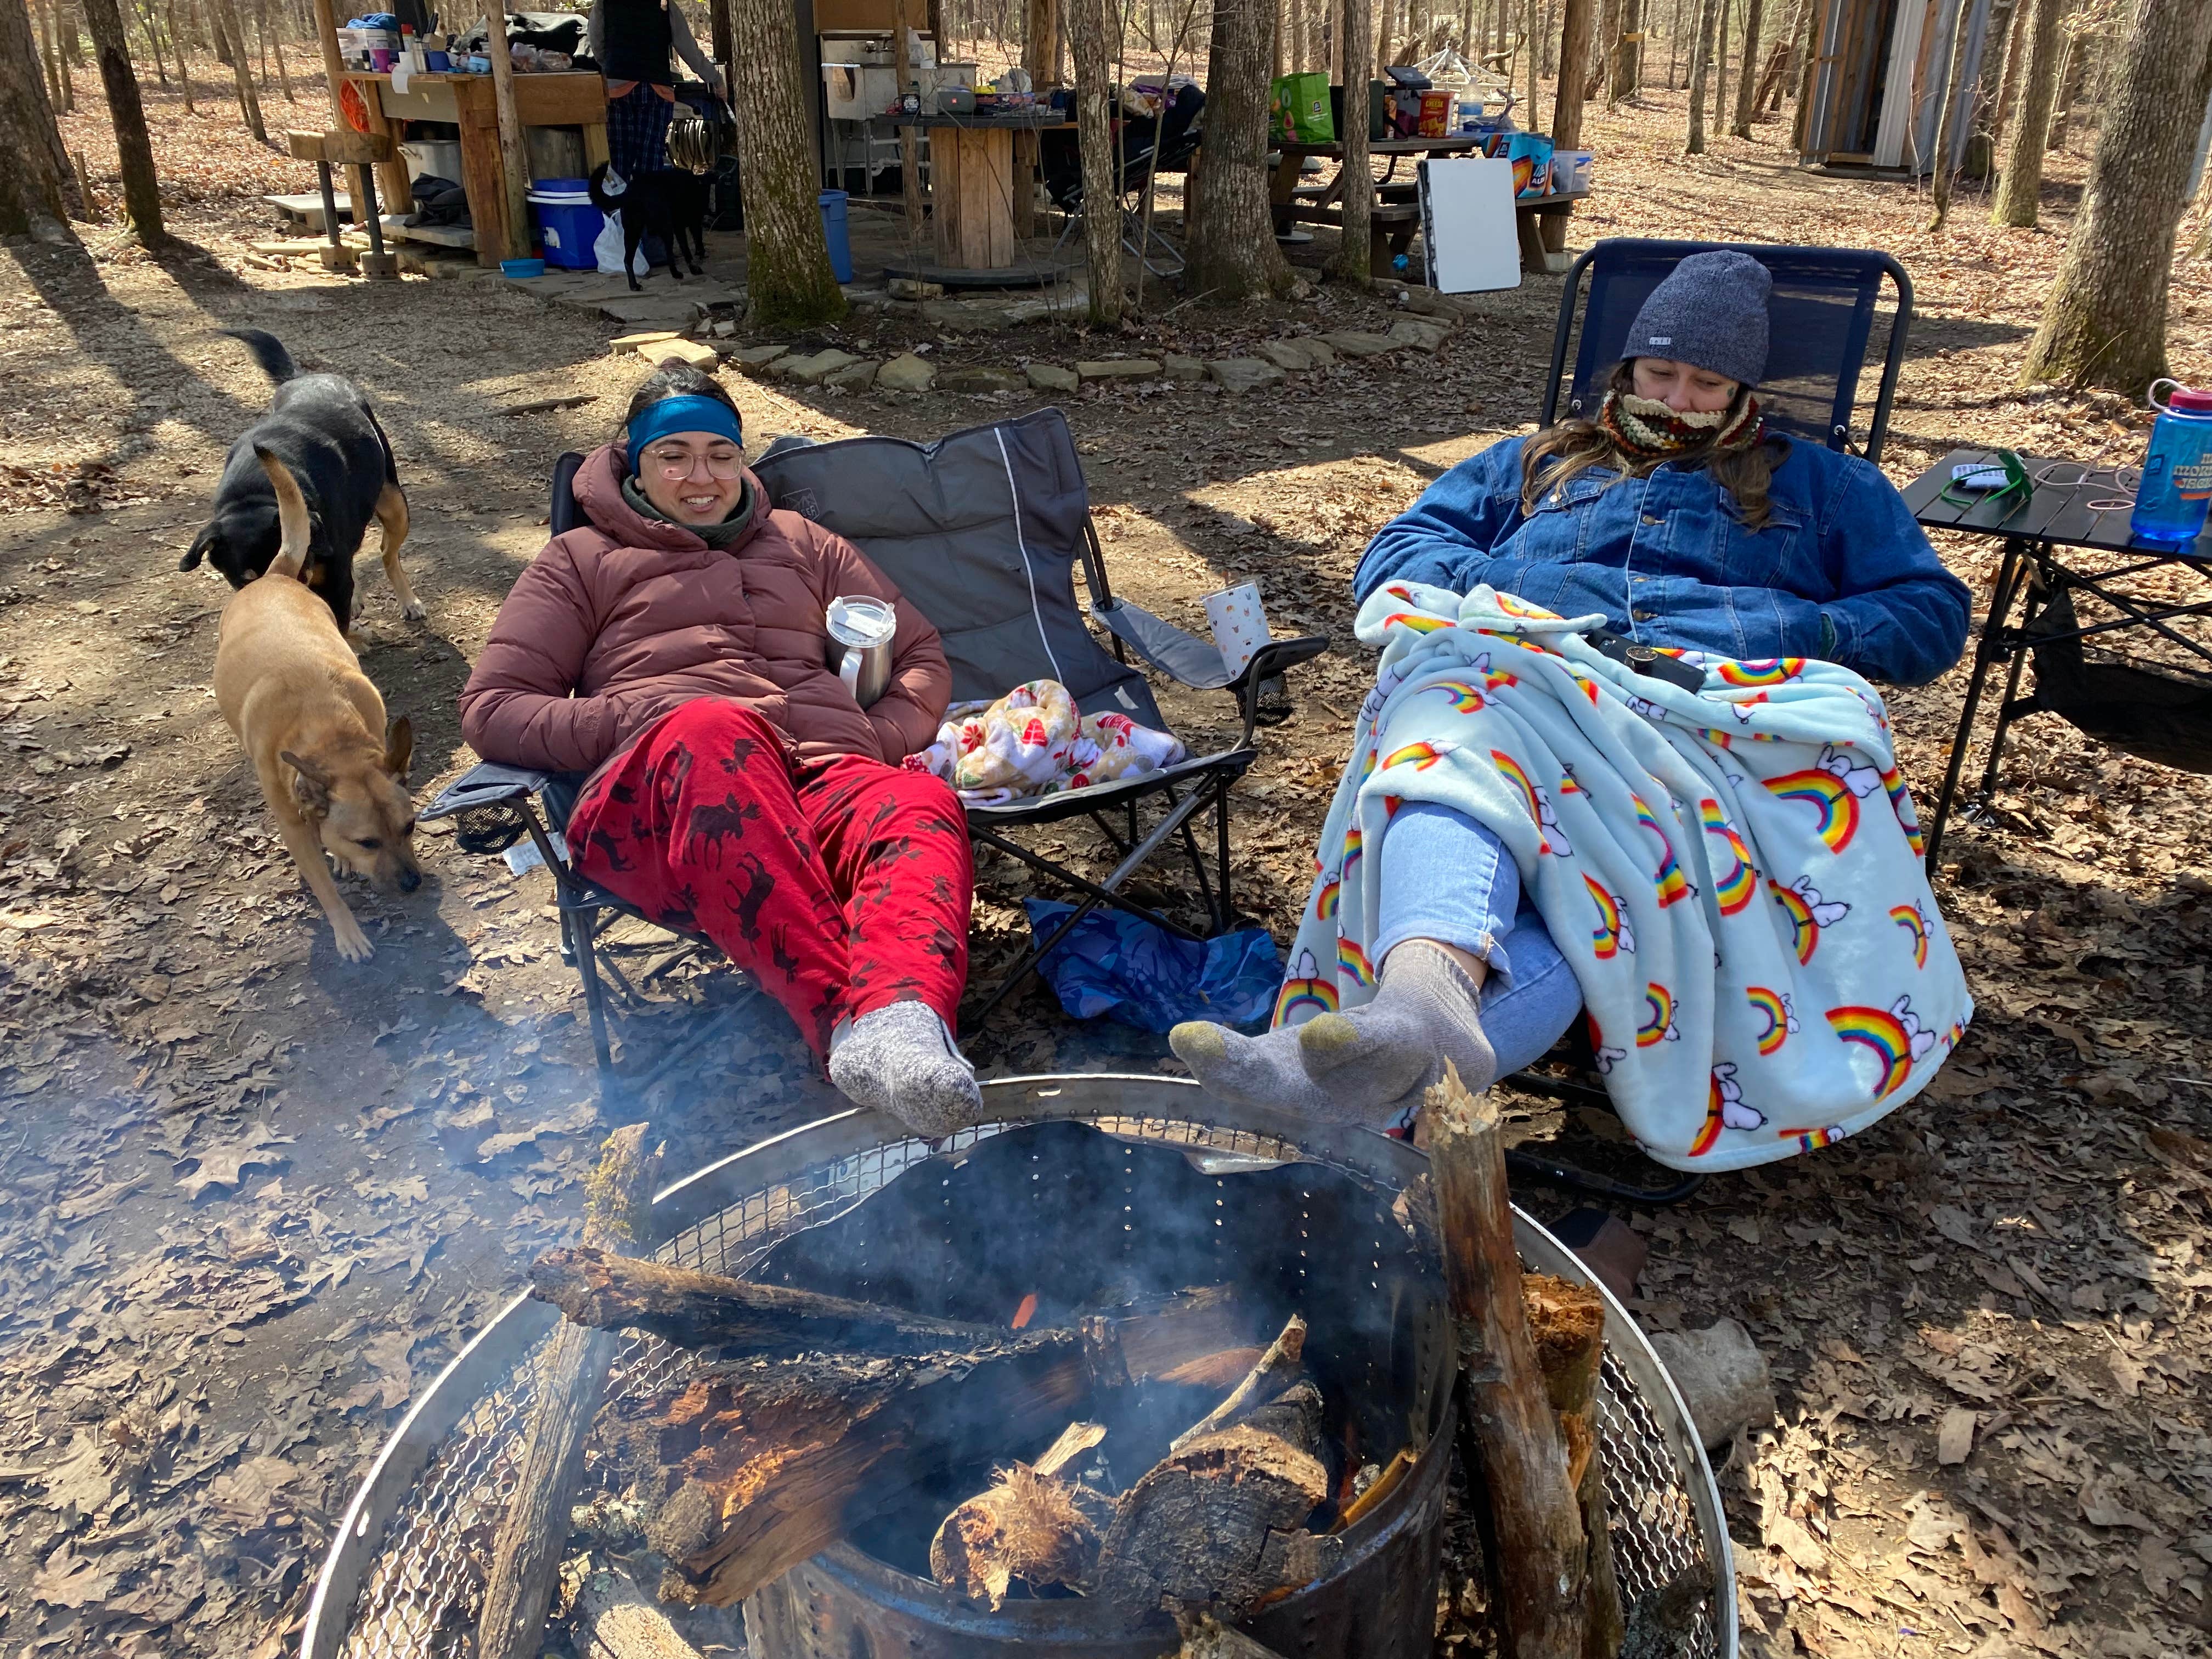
{"points": [[312, 724]]}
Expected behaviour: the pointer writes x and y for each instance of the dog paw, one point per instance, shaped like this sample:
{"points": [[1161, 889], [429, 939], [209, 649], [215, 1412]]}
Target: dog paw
{"points": [[415, 612], [353, 944]]}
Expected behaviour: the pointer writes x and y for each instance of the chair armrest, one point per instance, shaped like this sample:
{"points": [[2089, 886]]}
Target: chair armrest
{"points": [[1273, 658], [1183, 658], [485, 784]]}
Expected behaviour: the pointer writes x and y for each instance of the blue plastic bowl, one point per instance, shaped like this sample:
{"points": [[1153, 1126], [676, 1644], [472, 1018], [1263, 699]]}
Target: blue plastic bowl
{"points": [[522, 267]]}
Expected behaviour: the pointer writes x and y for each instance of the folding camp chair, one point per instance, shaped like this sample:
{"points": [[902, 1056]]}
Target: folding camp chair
{"points": [[1820, 320], [1175, 134], [1819, 323], [983, 531]]}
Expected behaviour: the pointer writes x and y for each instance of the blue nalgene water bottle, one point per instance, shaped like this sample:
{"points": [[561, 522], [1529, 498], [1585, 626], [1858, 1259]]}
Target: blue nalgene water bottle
{"points": [[2176, 471]]}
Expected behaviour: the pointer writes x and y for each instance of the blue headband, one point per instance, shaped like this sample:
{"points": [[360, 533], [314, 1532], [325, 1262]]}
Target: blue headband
{"points": [[686, 414]]}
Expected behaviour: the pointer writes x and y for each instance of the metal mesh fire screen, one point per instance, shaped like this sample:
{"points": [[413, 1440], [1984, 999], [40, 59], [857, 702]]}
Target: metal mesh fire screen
{"points": [[405, 1575]]}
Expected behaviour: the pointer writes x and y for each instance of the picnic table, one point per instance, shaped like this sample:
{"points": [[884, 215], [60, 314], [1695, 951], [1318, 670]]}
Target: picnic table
{"points": [[1397, 212], [977, 192], [2075, 505]]}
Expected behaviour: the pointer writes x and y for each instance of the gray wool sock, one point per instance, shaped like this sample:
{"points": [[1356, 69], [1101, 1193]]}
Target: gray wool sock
{"points": [[1426, 1010], [900, 1059], [1261, 1071]]}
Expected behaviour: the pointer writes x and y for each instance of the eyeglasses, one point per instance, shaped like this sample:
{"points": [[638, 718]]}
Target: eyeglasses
{"points": [[675, 465]]}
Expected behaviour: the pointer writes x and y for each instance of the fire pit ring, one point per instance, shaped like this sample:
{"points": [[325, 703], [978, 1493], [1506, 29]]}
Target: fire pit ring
{"points": [[401, 1581]]}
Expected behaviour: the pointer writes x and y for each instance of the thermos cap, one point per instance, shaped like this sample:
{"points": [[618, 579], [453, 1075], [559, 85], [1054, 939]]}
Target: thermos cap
{"points": [[2194, 402]]}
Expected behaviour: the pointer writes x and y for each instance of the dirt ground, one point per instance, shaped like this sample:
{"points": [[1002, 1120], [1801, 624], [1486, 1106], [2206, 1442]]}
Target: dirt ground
{"points": [[254, 1197]]}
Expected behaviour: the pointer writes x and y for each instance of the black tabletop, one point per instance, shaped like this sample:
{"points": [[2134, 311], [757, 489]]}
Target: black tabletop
{"points": [[2070, 510]]}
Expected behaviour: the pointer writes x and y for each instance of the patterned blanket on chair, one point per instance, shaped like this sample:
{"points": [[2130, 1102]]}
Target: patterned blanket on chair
{"points": [[1734, 873]]}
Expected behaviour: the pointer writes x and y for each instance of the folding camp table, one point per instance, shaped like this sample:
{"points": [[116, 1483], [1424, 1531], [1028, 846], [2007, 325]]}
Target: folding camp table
{"points": [[2076, 507]]}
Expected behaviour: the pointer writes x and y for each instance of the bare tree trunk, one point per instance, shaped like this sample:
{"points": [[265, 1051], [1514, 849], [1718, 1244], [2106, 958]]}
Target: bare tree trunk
{"points": [[144, 13], [242, 67], [141, 191], [1628, 56], [184, 61], [1673, 44], [1701, 53], [2104, 321], [2202, 247], [2008, 91], [1354, 262], [1956, 94], [2020, 184], [789, 279], [1720, 69], [1567, 100], [35, 184], [1808, 74], [1604, 48], [1748, 87], [42, 25], [2073, 69], [1777, 76], [1982, 108], [272, 40], [1091, 32], [1233, 254]]}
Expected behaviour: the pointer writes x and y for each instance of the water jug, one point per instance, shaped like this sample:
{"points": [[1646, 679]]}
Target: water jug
{"points": [[2176, 471]]}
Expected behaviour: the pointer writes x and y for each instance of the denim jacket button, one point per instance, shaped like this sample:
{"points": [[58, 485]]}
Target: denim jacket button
{"points": [[1642, 616], [1648, 518]]}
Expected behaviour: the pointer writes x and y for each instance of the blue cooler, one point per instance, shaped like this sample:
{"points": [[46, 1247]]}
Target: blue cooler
{"points": [[567, 223]]}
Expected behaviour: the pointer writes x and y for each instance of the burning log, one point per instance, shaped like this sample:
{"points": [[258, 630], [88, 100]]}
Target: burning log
{"points": [[750, 1467], [1567, 1322], [694, 1310], [1507, 1428], [526, 1555], [1221, 1522], [1030, 1525]]}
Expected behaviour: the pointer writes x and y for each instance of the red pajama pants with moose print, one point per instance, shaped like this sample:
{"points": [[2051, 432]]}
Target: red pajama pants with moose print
{"points": [[841, 885]]}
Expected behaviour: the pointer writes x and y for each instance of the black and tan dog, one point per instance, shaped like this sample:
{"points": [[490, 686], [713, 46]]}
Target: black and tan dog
{"points": [[334, 775], [323, 430]]}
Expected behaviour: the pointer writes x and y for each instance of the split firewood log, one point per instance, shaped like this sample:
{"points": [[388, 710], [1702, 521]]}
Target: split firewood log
{"points": [[705, 1310], [1567, 1322], [614, 1620], [1031, 1524], [1508, 1433], [1219, 1523], [525, 1558], [747, 1468]]}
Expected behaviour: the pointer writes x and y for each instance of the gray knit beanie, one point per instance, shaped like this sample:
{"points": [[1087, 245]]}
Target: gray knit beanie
{"points": [[1710, 311]]}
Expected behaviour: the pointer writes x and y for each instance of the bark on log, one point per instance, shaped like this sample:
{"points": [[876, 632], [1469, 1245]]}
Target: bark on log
{"points": [[1567, 1322], [1219, 1523], [693, 1309], [525, 1558], [1508, 1431]]}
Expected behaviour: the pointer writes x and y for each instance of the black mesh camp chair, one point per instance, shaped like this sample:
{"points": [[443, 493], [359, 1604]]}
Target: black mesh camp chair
{"points": [[1819, 322], [983, 530], [1175, 134]]}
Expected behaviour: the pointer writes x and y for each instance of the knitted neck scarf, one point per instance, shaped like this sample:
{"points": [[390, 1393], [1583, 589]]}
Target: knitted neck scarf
{"points": [[1645, 429]]}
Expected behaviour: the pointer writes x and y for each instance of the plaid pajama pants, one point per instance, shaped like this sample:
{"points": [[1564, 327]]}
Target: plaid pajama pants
{"points": [[840, 885], [637, 131]]}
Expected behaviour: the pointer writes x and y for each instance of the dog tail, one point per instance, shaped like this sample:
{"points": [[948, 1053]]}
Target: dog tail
{"points": [[602, 199], [269, 351], [291, 515]]}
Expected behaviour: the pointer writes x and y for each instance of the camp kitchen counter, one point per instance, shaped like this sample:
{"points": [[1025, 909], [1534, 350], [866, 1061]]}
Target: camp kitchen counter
{"points": [[575, 98]]}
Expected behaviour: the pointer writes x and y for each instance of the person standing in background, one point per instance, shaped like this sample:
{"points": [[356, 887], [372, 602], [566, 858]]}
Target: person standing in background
{"points": [[631, 41]]}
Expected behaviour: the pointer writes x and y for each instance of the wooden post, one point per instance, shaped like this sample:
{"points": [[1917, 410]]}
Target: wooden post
{"points": [[1566, 1321], [1507, 1430], [513, 153], [533, 1536], [910, 137]]}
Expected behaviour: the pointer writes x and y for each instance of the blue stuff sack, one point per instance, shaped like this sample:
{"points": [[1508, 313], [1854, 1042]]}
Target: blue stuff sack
{"points": [[1122, 967]]}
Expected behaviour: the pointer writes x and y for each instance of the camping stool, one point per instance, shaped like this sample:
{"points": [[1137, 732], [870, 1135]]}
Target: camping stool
{"points": [[360, 151]]}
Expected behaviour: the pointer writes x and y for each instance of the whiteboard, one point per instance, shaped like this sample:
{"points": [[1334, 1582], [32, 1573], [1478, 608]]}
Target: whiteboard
{"points": [[1467, 220]]}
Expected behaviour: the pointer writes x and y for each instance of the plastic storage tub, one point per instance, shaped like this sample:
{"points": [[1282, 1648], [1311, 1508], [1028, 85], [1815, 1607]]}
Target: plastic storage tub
{"points": [[567, 223]]}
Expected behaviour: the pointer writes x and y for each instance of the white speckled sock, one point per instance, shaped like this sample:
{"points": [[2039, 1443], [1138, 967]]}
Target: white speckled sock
{"points": [[901, 1059], [1426, 1010]]}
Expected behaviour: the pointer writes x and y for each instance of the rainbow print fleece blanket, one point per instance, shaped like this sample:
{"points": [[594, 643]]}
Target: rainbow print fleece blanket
{"points": [[1734, 873]]}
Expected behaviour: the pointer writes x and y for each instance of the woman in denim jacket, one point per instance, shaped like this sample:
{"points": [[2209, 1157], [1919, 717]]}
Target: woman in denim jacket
{"points": [[1680, 520]]}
